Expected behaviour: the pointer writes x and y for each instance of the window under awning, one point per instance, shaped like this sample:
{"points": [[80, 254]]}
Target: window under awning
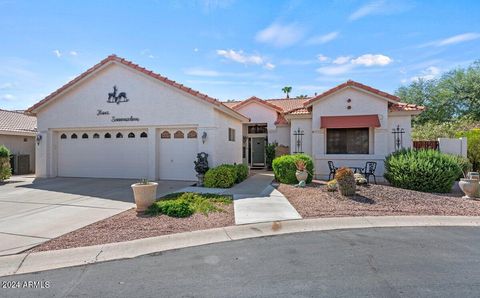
{"points": [[356, 121]]}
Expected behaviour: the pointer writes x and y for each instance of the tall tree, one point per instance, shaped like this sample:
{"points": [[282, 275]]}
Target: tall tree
{"points": [[287, 90]]}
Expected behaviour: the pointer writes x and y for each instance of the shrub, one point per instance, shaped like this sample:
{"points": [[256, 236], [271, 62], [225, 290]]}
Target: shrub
{"points": [[242, 172], [284, 168], [223, 176], [5, 169], [270, 153], [464, 164], [185, 204], [346, 181], [422, 170], [473, 146]]}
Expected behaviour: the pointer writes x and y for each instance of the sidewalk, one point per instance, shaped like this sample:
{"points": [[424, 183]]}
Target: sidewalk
{"points": [[255, 200], [40, 261]]}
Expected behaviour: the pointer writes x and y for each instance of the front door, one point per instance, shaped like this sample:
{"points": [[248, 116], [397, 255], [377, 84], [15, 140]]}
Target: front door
{"points": [[258, 152]]}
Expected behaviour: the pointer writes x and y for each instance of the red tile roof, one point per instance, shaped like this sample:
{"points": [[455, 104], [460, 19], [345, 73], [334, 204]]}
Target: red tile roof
{"points": [[351, 83], [240, 104], [401, 106], [299, 111], [115, 58], [12, 121]]}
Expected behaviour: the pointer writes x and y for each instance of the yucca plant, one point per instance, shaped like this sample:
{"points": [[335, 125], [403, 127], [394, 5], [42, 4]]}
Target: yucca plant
{"points": [[346, 182]]}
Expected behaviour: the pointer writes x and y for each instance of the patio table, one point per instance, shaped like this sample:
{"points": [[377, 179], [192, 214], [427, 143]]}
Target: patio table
{"points": [[357, 169]]}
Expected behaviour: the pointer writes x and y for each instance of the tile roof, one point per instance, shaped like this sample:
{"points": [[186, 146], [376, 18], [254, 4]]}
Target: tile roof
{"points": [[401, 106], [115, 58], [288, 105], [256, 99], [299, 111], [351, 83], [17, 122]]}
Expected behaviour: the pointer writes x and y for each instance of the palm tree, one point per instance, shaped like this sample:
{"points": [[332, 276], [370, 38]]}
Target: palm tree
{"points": [[287, 90], [302, 96]]}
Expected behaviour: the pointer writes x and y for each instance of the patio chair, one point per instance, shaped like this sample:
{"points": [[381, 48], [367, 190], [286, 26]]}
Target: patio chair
{"points": [[370, 167], [333, 170]]}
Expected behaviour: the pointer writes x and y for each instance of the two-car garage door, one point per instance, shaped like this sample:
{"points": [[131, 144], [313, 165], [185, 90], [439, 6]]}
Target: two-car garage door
{"points": [[124, 154]]}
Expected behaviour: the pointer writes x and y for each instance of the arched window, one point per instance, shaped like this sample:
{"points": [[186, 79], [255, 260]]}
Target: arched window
{"points": [[63, 136], [165, 135], [107, 136], [178, 135], [84, 136], [119, 135], [96, 136], [74, 136], [131, 135], [192, 134], [143, 135]]}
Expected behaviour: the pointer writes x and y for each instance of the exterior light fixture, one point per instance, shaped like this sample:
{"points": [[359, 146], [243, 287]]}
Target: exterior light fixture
{"points": [[38, 139], [204, 137]]}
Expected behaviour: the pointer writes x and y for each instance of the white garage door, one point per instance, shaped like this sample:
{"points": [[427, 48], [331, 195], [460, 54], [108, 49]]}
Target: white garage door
{"points": [[177, 150], [103, 154]]}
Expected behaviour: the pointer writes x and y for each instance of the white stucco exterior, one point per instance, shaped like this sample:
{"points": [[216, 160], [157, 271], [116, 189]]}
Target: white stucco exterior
{"points": [[159, 107]]}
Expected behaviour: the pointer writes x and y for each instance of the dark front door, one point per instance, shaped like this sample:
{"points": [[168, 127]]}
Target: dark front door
{"points": [[258, 152]]}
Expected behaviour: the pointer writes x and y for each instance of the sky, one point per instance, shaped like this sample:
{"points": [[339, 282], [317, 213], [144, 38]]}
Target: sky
{"points": [[236, 49]]}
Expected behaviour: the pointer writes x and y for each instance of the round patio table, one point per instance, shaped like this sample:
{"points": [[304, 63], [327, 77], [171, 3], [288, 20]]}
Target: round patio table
{"points": [[357, 169]]}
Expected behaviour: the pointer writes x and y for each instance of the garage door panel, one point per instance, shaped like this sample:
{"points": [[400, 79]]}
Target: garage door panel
{"points": [[176, 157], [103, 158]]}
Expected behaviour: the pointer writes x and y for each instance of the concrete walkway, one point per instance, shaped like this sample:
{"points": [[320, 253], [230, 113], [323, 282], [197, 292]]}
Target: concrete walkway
{"points": [[255, 200], [40, 261]]}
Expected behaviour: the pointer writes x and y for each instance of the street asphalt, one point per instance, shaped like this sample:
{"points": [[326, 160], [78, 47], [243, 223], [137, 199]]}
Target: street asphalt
{"points": [[376, 262]]}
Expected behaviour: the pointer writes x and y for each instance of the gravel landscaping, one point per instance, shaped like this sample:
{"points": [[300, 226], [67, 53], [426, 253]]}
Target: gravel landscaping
{"points": [[371, 200], [129, 225]]}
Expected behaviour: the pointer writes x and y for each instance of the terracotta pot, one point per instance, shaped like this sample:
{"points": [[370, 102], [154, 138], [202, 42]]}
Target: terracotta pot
{"points": [[301, 175], [145, 195], [469, 187]]}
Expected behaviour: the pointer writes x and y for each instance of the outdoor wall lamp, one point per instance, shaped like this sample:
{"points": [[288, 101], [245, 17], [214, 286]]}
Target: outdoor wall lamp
{"points": [[204, 137], [38, 139]]}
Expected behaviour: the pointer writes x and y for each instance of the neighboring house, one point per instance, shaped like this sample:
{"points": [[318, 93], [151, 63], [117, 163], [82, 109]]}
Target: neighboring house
{"points": [[17, 133], [119, 120]]}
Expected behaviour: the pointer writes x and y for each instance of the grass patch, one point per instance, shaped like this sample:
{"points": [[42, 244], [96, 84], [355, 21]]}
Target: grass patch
{"points": [[185, 204]]}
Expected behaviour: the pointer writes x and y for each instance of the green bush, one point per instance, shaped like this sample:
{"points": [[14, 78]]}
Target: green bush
{"points": [[270, 154], [185, 204], [473, 146], [5, 169], [422, 170], [284, 168], [223, 176], [242, 172]]}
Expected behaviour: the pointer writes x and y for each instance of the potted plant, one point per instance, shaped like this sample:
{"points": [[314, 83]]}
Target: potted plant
{"points": [[301, 173], [145, 194], [469, 185]]}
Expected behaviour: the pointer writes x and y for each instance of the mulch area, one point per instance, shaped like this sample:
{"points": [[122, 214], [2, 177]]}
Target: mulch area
{"points": [[375, 200], [129, 225]]}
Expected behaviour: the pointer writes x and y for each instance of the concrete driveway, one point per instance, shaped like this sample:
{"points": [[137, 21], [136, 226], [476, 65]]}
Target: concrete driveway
{"points": [[33, 211]]}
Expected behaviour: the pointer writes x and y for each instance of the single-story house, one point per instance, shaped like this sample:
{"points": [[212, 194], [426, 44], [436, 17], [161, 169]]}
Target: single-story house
{"points": [[17, 133], [119, 120]]}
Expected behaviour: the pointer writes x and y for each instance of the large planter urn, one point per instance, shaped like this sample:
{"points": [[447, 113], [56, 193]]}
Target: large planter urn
{"points": [[301, 175], [145, 195], [469, 187]]}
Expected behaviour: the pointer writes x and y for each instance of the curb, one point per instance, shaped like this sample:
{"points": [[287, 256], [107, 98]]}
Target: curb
{"points": [[47, 260]]}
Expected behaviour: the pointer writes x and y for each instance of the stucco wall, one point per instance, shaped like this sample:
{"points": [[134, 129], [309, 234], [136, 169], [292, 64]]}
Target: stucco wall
{"points": [[362, 103], [405, 122], [20, 145], [155, 104]]}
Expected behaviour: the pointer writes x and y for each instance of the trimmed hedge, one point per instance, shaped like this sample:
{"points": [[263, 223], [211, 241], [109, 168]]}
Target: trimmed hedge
{"points": [[223, 176], [422, 170], [284, 168], [5, 169], [242, 172]]}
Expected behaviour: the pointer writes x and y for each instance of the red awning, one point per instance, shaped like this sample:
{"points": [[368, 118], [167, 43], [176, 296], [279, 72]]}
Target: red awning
{"points": [[349, 121]]}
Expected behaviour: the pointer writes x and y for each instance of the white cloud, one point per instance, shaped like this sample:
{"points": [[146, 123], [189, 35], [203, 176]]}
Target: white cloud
{"points": [[73, 53], [335, 70], [342, 60], [201, 72], [380, 7], [7, 97], [427, 74], [269, 66], [5, 86], [195, 49], [453, 40], [372, 60], [321, 39], [240, 57], [280, 35], [310, 87], [322, 58], [57, 53]]}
